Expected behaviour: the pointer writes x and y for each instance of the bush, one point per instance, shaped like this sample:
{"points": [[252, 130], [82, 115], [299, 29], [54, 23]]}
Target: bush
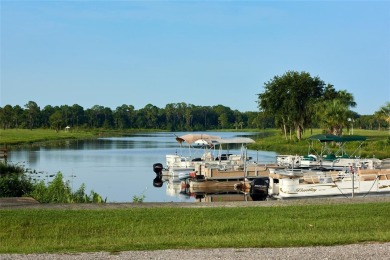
{"points": [[59, 191], [13, 181], [15, 185], [10, 169]]}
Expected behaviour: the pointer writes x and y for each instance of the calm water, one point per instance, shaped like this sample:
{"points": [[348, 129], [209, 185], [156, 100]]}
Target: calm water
{"points": [[117, 168]]}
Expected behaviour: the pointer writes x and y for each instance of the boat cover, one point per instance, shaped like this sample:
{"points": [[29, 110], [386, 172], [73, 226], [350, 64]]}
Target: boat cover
{"points": [[191, 138], [235, 140], [211, 139]]}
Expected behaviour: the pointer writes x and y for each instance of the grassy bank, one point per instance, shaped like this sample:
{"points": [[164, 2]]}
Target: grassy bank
{"points": [[44, 230], [23, 136], [26, 136]]}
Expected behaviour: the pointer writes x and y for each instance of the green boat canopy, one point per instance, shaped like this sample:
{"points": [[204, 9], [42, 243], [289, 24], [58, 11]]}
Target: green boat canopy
{"points": [[339, 139]]}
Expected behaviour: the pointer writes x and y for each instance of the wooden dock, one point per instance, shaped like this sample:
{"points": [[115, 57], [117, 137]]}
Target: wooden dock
{"points": [[234, 172], [4, 154]]}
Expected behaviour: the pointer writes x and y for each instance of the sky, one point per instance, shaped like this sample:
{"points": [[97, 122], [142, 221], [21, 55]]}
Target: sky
{"points": [[205, 53]]}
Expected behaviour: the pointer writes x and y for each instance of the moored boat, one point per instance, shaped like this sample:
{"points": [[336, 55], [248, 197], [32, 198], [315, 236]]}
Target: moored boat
{"points": [[327, 159], [197, 150], [299, 184]]}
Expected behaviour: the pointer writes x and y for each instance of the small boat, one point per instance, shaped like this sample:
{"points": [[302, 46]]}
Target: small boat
{"points": [[181, 165], [215, 157], [328, 159], [301, 184]]}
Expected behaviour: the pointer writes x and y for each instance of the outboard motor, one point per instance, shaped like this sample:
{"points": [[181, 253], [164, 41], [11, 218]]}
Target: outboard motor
{"points": [[157, 168], [259, 188], [158, 182]]}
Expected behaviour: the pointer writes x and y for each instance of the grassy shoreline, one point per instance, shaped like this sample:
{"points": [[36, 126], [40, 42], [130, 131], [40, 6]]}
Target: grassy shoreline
{"points": [[12, 137], [111, 230]]}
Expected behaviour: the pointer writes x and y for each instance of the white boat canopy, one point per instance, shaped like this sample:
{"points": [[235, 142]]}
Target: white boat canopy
{"points": [[191, 138], [235, 140], [210, 139]]}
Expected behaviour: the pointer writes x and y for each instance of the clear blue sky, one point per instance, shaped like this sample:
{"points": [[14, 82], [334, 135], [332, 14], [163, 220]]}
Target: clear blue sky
{"points": [[206, 53]]}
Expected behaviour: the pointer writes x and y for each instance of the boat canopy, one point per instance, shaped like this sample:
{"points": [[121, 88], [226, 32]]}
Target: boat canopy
{"points": [[340, 140], [235, 140], [335, 138], [211, 139], [200, 138]]}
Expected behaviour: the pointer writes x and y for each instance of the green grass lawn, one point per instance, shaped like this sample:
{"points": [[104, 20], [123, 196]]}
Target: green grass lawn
{"points": [[45, 230], [21, 136]]}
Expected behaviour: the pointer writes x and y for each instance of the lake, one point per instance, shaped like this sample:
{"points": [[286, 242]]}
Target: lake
{"points": [[117, 168]]}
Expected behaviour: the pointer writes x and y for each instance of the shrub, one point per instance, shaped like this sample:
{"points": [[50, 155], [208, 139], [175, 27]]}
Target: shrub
{"points": [[59, 191], [13, 181]]}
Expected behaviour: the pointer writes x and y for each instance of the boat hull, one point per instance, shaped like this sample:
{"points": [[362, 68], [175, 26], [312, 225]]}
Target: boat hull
{"points": [[348, 186]]}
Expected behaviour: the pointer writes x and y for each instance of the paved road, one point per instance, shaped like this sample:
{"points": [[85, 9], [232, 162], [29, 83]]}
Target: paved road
{"points": [[364, 251]]}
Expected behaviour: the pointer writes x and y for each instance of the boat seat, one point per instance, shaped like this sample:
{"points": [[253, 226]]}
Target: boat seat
{"points": [[367, 177], [311, 179], [309, 157], [330, 157]]}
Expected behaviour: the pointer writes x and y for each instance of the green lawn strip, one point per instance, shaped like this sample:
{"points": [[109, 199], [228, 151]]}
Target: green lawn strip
{"points": [[43, 230], [21, 136]]}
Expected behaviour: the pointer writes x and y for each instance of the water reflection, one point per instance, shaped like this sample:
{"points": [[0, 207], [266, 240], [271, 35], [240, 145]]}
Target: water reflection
{"points": [[212, 192], [158, 182]]}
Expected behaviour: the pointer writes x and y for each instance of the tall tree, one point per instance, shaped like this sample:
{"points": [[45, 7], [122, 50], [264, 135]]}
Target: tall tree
{"points": [[334, 116], [56, 120], [33, 112], [225, 116], [121, 119], [46, 112], [384, 114], [18, 116], [6, 115], [289, 98], [77, 115], [151, 113], [333, 110], [108, 120]]}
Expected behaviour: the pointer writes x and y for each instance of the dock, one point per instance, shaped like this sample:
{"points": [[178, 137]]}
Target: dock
{"points": [[4, 153]]}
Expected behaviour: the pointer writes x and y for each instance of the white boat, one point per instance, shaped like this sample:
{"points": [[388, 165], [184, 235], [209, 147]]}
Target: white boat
{"points": [[197, 150], [231, 167], [203, 150], [289, 161], [326, 158], [300, 183]]}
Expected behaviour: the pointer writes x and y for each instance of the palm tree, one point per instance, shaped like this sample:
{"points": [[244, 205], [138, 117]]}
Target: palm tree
{"points": [[334, 115], [384, 113]]}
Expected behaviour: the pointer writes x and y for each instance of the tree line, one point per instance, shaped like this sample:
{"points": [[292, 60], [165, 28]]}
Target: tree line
{"points": [[173, 117], [292, 102]]}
